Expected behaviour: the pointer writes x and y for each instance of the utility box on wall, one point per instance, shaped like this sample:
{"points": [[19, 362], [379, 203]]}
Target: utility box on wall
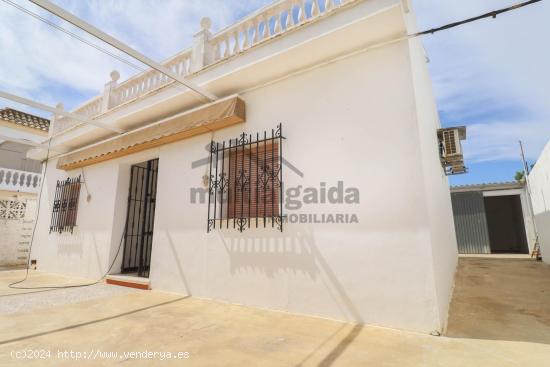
{"points": [[450, 149]]}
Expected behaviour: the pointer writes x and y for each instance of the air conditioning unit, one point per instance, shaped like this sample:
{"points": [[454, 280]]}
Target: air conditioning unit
{"points": [[450, 149]]}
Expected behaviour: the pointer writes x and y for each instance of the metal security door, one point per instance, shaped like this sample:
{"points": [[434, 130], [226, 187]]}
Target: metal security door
{"points": [[140, 218]]}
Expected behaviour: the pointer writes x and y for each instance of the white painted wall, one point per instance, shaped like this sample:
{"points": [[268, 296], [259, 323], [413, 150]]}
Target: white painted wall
{"points": [[15, 234], [436, 188], [355, 120], [539, 184]]}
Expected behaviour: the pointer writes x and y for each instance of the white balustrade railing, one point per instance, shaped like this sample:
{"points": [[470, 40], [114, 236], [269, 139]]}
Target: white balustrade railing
{"points": [[150, 80], [266, 23], [20, 181]]}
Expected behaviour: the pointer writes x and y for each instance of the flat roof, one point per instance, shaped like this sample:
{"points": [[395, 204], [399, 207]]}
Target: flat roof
{"points": [[491, 186]]}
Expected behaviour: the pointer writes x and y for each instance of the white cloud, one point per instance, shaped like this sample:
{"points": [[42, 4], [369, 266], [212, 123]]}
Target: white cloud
{"points": [[492, 75], [42, 63], [500, 140]]}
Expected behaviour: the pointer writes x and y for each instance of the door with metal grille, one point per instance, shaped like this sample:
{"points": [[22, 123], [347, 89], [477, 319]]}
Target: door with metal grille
{"points": [[140, 218]]}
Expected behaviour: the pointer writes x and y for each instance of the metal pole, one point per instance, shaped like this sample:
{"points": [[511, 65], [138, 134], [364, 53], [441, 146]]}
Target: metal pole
{"points": [[30, 143], [88, 28], [59, 111]]}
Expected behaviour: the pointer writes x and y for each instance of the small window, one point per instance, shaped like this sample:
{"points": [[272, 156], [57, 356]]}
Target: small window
{"points": [[245, 187], [65, 205]]}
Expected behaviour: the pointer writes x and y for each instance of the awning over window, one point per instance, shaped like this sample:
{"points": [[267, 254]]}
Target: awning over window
{"points": [[211, 117]]}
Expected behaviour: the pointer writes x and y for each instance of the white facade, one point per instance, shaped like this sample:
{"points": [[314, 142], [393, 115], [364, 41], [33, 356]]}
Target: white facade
{"points": [[20, 180], [539, 185], [362, 116]]}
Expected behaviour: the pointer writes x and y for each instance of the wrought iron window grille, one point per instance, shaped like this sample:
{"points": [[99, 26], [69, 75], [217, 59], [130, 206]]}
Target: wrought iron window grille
{"points": [[65, 205], [245, 188]]}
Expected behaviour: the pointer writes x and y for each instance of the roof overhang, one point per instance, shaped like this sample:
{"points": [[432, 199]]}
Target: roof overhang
{"points": [[348, 31], [488, 187], [213, 116]]}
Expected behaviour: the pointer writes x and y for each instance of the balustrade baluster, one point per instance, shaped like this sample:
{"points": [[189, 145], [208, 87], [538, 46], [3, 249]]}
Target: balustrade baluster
{"points": [[314, 8]]}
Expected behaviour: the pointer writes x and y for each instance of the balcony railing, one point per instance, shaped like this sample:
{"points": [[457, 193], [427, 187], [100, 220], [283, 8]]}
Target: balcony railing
{"points": [[19, 181], [271, 21]]}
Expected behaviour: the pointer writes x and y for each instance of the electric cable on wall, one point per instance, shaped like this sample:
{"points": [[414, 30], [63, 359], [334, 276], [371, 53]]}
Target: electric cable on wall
{"points": [[42, 184]]}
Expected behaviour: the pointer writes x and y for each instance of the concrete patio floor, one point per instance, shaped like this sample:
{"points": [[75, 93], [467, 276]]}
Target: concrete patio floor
{"points": [[219, 334]]}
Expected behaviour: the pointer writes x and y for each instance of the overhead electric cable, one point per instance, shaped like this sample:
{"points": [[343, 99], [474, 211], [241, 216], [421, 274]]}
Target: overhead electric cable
{"points": [[493, 14], [81, 39], [74, 35], [121, 46]]}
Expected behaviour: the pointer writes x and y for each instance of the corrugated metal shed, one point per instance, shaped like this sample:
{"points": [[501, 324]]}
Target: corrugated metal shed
{"points": [[472, 232]]}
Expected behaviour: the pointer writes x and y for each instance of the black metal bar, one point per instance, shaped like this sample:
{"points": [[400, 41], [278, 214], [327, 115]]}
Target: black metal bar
{"points": [[140, 213], [264, 188], [134, 228], [152, 212], [126, 233], [235, 182], [229, 182], [54, 207], [249, 179], [222, 184], [67, 196], [272, 178], [145, 212], [210, 187], [216, 184], [281, 188], [257, 176], [63, 207], [76, 200]]}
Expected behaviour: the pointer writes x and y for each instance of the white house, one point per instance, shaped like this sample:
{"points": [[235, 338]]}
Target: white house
{"points": [[19, 183], [341, 210], [539, 186]]}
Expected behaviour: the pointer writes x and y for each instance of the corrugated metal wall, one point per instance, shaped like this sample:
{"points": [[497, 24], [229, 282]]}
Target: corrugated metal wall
{"points": [[472, 233]]}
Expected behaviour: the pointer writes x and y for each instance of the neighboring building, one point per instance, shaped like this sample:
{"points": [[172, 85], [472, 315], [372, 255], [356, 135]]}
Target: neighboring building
{"points": [[493, 218], [539, 184], [364, 231], [19, 183]]}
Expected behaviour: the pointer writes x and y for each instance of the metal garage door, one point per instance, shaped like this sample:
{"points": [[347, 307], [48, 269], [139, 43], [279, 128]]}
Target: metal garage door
{"points": [[472, 232]]}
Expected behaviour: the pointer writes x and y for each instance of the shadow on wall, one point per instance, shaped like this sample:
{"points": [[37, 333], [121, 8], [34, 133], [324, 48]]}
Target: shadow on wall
{"points": [[293, 250], [69, 244], [178, 264]]}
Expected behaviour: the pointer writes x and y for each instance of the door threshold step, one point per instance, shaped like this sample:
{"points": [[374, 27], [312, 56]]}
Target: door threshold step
{"points": [[128, 281]]}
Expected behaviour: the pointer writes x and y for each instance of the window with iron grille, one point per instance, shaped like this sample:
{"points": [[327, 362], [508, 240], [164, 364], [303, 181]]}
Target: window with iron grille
{"points": [[65, 205], [246, 182]]}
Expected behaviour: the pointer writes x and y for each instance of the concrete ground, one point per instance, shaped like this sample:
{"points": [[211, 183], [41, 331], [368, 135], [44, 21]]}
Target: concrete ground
{"points": [[501, 299], [218, 334]]}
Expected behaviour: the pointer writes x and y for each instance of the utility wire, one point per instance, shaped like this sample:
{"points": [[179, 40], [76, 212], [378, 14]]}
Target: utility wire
{"points": [[493, 14], [74, 35], [83, 40]]}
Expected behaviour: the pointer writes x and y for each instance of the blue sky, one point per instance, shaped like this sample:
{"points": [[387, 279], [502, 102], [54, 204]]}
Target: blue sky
{"points": [[492, 76]]}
